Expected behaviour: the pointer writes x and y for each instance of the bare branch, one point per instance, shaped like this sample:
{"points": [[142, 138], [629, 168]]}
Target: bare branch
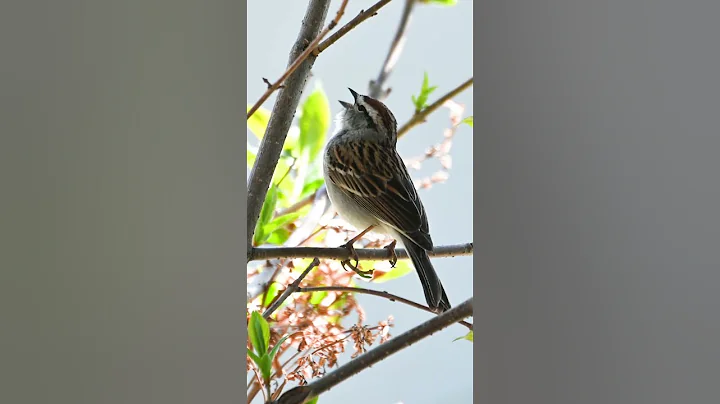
{"points": [[396, 47], [281, 117], [290, 289], [419, 117], [386, 295], [259, 382], [299, 204], [362, 16], [342, 253], [300, 394], [440, 151], [298, 61]]}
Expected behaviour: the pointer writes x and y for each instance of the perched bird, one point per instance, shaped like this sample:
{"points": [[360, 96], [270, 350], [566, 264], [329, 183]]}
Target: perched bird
{"points": [[370, 187]]}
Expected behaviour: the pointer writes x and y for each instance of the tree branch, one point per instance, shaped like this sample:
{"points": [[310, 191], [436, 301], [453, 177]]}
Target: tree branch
{"points": [[342, 253], [362, 16], [386, 295], [419, 117], [299, 204], [283, 111], [301, 394], [304, 55], [396, 47], [290, 289]]}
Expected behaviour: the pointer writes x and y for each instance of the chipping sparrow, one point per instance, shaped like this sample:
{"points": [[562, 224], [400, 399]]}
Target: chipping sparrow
{"points": [[370, 187]]}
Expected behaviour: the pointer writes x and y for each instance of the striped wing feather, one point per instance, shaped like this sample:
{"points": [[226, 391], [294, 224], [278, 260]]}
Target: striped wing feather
{"points": [[375, 177]]}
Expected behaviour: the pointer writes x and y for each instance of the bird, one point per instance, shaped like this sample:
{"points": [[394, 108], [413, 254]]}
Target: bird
{"points": [[369, 186]]}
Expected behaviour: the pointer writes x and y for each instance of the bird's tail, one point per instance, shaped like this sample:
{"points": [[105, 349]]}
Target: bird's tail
{"points": [[433, 288]]}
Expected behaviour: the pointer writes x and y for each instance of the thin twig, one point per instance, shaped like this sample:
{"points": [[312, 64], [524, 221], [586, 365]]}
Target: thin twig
{"points": [[300, 394], [362, 16], [396, 47], [290, 289], [278, 391], [260, 383], [342, 253], [298, 61], [386, 295], [281, 117], [298, 205], [440, 151], [419, 117]]}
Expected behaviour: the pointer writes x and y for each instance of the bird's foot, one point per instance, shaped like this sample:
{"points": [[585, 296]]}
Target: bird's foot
{"points": [[354, 256], [393, 256]]}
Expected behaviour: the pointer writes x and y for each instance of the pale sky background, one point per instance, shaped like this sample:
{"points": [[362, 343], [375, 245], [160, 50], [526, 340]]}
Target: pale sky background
{"points": [[435, 370]]}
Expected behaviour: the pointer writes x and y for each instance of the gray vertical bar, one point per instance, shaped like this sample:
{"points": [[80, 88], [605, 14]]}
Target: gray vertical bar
{"points": [[597, 201], [123, 201]]}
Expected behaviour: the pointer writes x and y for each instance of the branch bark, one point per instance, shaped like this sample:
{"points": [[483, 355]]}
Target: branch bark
{"points": [[342, 253], [299, 395], [283, 111]]}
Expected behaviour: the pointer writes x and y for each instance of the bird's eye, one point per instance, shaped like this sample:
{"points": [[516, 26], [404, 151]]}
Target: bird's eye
{"points": [[362, 108]]}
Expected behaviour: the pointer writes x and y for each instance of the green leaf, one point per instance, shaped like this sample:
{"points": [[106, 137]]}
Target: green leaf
{"points": [[401, 269], [272, 292], [277, 347], [278, 237], [258, 121], [259, 333], [314, 123], [265, 215], [283, 169], [308, 176], [468, 120], [280, 222], [468, 336], [254, 357], [265, 366], [314, 400], [420, 101], [311, 186], [440, 2], [317, 297], [287, 185]]}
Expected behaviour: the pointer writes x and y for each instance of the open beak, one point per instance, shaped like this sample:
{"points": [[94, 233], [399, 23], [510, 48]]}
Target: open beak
{"points": [[354, 94], [347, 105]]}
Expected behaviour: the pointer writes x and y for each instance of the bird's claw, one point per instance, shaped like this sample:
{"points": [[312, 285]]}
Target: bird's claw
{"points": [[354, 256], [393, 255], [363, 274]]}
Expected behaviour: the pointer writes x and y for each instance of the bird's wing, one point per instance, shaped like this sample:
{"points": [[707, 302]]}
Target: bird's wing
{"points": [[375, 177]]}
